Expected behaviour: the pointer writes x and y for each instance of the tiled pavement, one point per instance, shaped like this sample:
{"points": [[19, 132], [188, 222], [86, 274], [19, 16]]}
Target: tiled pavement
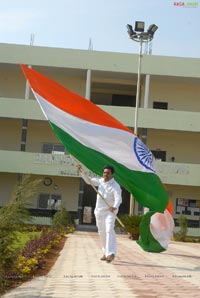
{"points": [[78, 272]]}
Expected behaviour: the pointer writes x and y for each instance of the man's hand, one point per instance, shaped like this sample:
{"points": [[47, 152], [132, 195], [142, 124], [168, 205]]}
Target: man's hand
{"points": [[79, 167], [112, 209]]}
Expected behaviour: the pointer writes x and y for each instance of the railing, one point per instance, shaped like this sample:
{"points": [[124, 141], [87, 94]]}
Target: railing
{"points": [[148, 118], [37, 163]]}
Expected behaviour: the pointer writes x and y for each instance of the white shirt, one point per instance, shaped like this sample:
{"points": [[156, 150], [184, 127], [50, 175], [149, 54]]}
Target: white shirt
{"points": [[110, 190]]}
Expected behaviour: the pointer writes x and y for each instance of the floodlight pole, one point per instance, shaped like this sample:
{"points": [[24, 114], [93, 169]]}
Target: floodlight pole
{"points": [[131, 208], [138, 88], [140, 36]]}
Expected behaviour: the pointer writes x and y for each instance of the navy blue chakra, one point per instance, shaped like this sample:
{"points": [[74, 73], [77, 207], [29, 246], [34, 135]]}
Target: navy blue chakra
{"points": [[143, 154]]}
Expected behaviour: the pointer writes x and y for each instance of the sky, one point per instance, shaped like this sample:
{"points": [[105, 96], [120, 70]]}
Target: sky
{"points": [[71, 24]]}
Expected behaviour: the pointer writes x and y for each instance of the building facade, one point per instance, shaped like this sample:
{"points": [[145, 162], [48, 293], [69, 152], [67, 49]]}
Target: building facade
{"points": [[168, 122]]}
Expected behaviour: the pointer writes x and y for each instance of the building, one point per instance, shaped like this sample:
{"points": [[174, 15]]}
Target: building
{"points": [[169, 123]]}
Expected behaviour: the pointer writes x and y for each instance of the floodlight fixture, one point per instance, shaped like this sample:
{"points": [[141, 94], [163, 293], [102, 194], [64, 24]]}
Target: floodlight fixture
{"points": [[139, 34], [139, 26], [130, 31], [152, 29]]}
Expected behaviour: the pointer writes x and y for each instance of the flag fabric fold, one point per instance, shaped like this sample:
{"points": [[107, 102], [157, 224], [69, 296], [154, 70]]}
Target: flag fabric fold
{"points": [[96, 138], [156, 230]]}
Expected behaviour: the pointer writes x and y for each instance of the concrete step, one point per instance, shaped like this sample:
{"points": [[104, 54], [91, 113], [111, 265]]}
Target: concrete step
{"points": [[86, 228]]}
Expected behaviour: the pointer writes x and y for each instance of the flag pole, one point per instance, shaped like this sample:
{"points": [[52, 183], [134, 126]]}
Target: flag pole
{"points": [[25, 121], [93, 186]]}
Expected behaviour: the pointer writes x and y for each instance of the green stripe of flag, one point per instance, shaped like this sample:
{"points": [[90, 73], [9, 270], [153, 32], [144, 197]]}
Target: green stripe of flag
{"points": [[147, 241], [146, 187]]}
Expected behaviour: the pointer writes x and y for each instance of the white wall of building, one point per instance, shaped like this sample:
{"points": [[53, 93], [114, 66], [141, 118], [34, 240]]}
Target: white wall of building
{"points": [[67, 187], [181, 95]]}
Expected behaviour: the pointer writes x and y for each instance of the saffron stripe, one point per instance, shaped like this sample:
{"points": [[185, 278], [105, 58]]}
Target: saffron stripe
{"points": [[69, 101], [121, 148]]}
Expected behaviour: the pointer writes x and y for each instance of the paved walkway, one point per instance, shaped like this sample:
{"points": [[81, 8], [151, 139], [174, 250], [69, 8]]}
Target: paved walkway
{"points": [[78, 272]]}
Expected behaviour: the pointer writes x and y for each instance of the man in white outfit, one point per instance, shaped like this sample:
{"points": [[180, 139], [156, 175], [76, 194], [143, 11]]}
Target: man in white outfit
{"points": [[105, 216]]}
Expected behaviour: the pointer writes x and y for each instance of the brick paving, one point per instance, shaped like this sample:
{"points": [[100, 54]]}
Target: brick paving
{"points": [[78, 272], [174, 273]]}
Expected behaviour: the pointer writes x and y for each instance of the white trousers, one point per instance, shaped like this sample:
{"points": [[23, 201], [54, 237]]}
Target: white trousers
{"points": [[105, 221]]}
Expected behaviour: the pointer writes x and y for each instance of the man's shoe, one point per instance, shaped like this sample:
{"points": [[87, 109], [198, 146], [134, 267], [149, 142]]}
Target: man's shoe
{"points": [[110, 258], [103, 258]]}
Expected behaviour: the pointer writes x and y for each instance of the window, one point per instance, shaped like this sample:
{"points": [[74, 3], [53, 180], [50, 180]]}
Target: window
{"points": [[101, 98], [187, 206], [49, 147], [112, 92], [160, 105], [113, 99], [49, 201], [123, 100], [192, 203], [159, 154]]}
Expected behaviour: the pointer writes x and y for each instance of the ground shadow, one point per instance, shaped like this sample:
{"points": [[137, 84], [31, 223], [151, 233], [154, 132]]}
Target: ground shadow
{"points": [[124, 263]]}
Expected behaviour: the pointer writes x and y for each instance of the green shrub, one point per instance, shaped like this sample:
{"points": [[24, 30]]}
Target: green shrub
{"points": [[181, 235], [131, 225], [12, 217], [33, 254], [61, 219], [192, 239], [22, 237]]}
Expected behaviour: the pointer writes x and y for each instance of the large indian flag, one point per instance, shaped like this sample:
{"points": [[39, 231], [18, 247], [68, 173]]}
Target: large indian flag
{"points": [[96, 139]]}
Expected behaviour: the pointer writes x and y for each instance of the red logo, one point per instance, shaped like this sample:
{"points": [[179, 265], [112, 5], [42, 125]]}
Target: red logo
{"points": [[190, 4]]}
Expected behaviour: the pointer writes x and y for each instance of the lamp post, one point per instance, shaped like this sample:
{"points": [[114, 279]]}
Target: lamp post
{"points": [[139, 35]]}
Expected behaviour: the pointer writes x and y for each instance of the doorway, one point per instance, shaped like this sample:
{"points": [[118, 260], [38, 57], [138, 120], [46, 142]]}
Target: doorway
{"points": [[89, 202]]}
